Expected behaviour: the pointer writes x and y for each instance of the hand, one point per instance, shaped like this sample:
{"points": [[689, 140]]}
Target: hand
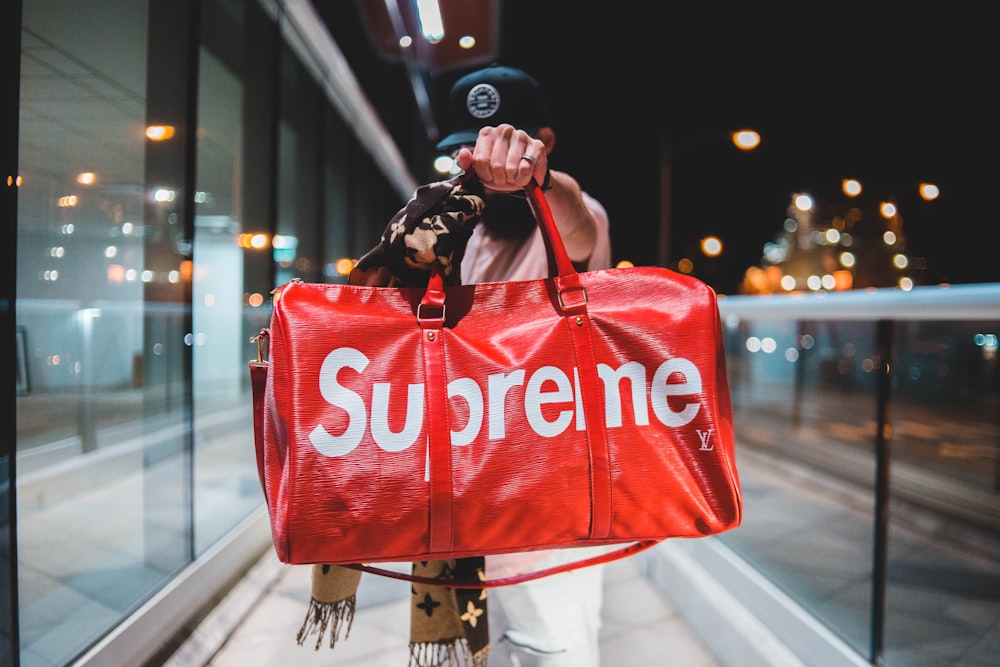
{"points": [[497, 158]]}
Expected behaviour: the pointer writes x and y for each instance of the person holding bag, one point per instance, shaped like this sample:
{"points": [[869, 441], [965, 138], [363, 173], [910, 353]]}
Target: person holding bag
{"points": [[480, 483], [501, 136], [501, 131]]}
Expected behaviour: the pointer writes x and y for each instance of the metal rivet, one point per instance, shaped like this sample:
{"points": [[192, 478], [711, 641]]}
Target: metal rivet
{"points": [[430, 335], [579, 321]]}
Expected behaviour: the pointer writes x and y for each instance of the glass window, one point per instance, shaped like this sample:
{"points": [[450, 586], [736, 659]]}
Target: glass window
{"points": [[156, 213], [226, 484], [806, 410], [296, 246], [93, 454]]}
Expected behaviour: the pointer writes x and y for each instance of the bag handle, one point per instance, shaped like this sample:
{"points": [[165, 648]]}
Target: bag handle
{"points": [[607, 557], [567, 279], [550, 232], [572, 300]]}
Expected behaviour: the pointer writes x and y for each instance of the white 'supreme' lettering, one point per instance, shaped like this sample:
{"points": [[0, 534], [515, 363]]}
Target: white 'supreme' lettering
{"points": [[466, 388], [636, 374], [535, 398], [386, 439], [547, 385], [335, 393], [662, 390], [498, 386]]}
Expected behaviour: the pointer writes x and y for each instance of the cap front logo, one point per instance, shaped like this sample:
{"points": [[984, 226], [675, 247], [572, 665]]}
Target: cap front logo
{"points": [[482, 101]]}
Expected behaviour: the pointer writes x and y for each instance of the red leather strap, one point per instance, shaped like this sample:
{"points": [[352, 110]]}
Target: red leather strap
{"points": [[617, 554], [573, 301], [258, 385], [592, 403], [554, 246], [258, 380], [433, 300], [431, 320], [550, 232]]}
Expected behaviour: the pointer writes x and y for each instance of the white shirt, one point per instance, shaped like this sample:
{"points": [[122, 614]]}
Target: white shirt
{"points": [[491, 260]]}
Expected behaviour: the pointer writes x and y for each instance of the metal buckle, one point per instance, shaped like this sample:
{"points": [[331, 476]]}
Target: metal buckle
{"points": [[444, 310], [260, 339], [580, 288]]}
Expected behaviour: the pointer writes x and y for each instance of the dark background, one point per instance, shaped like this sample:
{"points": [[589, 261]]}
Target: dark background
{"points": [[890, 96]]}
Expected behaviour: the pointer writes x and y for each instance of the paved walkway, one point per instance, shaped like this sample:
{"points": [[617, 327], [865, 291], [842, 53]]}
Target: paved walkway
{"points": [[262, 615]]}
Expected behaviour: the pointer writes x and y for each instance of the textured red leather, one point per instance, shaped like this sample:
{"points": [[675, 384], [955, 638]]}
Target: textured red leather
{"points": [[404, 424]]}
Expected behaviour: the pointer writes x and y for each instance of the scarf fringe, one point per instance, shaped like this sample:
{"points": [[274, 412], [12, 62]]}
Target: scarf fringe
{"points": [[453, 653], [334, 615]]}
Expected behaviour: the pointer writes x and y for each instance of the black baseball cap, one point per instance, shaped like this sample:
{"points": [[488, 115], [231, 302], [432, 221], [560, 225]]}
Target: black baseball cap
{"points": [[491, 96]]}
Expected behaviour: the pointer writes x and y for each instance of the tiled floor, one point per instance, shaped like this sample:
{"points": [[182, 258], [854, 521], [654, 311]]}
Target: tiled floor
{"points": [[640, 627]]}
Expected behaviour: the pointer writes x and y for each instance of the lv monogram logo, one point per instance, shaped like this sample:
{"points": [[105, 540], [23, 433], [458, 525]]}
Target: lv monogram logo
{"points": [[705, 437]]}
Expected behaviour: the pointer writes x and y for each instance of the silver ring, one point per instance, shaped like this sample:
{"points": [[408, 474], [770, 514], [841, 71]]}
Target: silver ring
{"points": [[530, 158]]}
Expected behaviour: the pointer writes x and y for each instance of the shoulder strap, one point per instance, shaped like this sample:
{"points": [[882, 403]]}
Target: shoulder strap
{"points": [[617, 554]]}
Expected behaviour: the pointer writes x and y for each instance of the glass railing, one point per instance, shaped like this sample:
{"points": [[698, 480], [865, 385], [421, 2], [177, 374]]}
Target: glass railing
{"points": [[868, 435]]}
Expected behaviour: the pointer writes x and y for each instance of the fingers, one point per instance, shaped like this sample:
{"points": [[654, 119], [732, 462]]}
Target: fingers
{"points": [[464, 159], [498, 158]]}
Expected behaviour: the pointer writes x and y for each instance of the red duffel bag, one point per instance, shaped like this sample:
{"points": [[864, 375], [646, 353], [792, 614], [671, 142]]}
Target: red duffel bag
{"points": [[406, 424]]}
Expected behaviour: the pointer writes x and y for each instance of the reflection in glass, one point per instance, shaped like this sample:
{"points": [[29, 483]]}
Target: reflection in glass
{"points": [[805, 411], [225, 473], [83, 438]]}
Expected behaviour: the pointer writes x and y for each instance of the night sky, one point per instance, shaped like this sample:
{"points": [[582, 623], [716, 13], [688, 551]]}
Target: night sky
{"points": [[890, 97]]}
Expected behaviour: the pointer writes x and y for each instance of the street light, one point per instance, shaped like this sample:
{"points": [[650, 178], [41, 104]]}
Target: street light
{"points": [[711, 246], [744, 139], [929, 191]]}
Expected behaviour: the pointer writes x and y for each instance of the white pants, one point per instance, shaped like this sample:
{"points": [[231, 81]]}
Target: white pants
{"points": [[550, 622]]}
